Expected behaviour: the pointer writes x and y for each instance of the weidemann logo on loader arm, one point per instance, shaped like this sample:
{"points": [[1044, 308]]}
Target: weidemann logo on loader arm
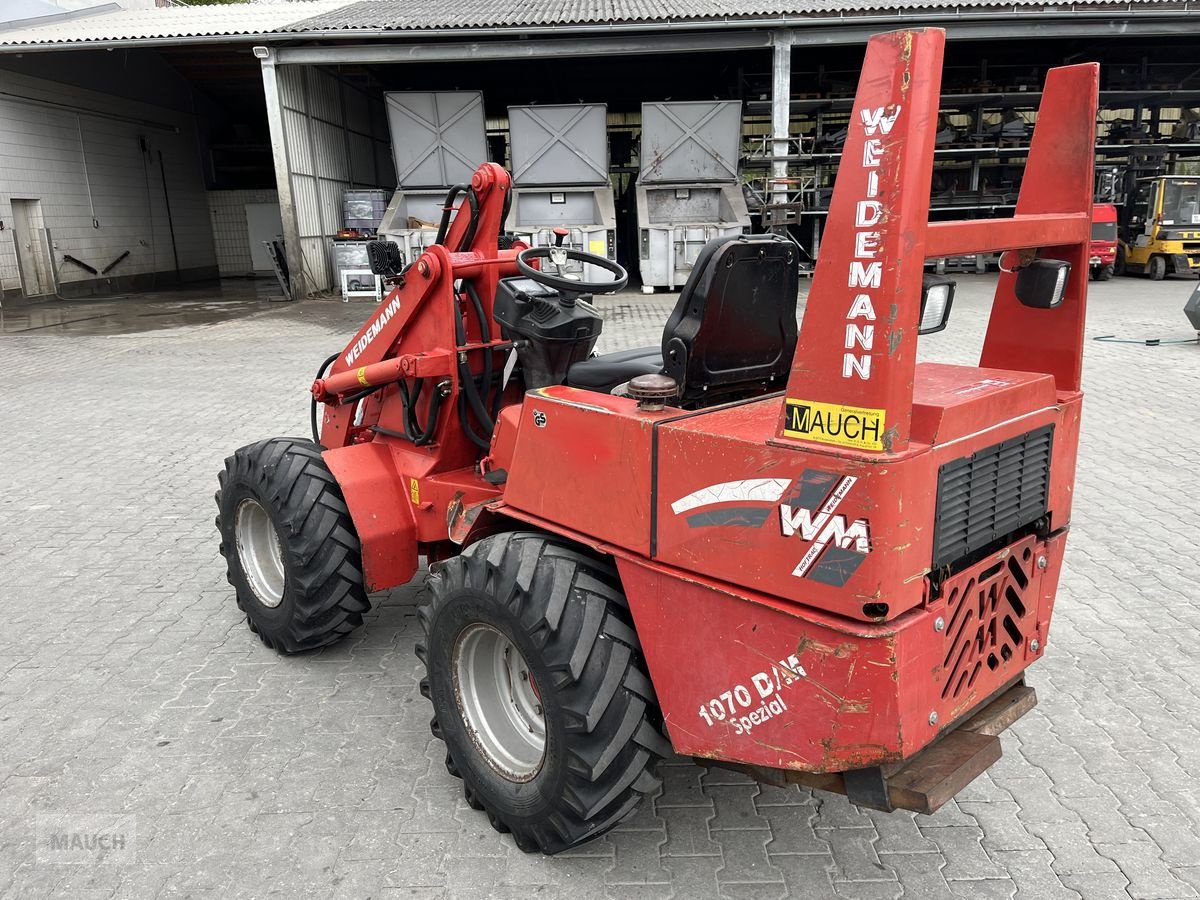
{"points": [[373, 332]]}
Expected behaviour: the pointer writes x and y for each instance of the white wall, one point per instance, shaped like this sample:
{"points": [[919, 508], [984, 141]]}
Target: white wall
{"points": [[227, 210], [56, 138], [336, 138]]}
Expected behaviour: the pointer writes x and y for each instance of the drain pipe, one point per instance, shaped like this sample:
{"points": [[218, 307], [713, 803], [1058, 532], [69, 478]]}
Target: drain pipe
{"points": [[170, 222]]}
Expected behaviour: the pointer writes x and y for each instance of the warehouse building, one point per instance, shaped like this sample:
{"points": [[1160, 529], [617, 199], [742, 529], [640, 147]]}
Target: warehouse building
{"points": [[150, 148]]}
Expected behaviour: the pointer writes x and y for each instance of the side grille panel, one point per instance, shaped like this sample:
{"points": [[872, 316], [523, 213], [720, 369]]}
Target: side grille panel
{"points": [[991, 493], [990, 613]]}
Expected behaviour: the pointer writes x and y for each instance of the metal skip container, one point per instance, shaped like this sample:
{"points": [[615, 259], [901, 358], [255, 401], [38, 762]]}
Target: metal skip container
{"points": [[438, 140], [688, 190], [560, 179]]}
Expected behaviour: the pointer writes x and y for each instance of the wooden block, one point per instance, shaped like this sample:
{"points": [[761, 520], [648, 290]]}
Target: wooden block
{"points": [[832, 782], [937, 773], [1003, 711]]}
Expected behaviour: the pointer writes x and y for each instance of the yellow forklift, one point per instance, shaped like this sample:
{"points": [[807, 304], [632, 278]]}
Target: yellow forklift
{"points": [[1160, 227]]}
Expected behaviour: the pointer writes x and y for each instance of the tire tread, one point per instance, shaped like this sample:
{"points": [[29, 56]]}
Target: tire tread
{"points": [[570, 604], [325, 577]]}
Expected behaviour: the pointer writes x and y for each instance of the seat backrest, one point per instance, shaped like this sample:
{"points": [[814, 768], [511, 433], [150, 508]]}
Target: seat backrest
{"points": [[733, 330]]}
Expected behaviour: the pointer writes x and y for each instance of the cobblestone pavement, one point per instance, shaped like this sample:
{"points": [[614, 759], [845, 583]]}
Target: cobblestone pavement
{"points": [[130, 686]]}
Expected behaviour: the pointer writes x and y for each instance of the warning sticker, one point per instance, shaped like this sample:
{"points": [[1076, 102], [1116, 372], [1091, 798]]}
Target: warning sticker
{"points": [[832, 423]]}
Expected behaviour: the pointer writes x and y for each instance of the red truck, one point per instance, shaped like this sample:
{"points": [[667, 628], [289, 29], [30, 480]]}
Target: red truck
{"points": [[1103, 252]]}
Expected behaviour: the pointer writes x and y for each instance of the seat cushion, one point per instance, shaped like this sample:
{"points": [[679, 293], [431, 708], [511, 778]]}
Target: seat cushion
{"points": [[603, 373]]}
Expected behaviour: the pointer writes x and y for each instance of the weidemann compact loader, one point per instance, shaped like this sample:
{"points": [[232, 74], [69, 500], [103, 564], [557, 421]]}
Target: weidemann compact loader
{"points": [[806, 556]]}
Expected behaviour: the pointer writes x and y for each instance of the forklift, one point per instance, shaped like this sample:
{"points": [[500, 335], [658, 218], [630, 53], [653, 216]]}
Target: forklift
{"points": [[1160, 228]]}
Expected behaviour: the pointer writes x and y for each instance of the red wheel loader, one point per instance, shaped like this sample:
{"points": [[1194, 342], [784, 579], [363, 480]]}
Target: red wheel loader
{"points": [[803, 555]]}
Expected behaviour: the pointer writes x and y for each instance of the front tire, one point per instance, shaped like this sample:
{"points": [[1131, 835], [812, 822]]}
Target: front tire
{"points": [[291, 551], [539, 689], [1157, 269]]}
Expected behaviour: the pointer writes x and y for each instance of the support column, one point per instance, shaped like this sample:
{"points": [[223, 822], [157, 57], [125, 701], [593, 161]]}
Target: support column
{"points": [[283, 173], [781, 111]]}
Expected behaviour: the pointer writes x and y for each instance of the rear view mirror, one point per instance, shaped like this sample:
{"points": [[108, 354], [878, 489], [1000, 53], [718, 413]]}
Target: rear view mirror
{"points": [[937, 294], [1042, 283]]}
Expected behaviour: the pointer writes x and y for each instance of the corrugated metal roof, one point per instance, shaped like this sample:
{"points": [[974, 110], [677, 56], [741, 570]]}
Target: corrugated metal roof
{"points": [[239, 20], [407, 15], [282, 18]]}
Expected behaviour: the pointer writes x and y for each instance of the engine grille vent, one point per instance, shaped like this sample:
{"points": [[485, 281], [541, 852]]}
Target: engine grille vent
{"points": [[990, 494], [990, 611]]}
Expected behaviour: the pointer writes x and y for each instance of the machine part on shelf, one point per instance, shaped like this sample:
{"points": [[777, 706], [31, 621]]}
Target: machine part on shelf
{"points": [[779, 215], [811, 516]]}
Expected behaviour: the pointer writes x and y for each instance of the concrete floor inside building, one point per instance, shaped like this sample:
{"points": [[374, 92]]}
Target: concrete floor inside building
{"points": [[130, 685]]}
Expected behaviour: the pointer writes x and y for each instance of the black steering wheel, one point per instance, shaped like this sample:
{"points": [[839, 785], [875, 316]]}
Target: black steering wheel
{"points": [[557, 257]]}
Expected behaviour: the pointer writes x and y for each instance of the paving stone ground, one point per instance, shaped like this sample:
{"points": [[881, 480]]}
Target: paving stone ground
{"points": [[134, 699]]}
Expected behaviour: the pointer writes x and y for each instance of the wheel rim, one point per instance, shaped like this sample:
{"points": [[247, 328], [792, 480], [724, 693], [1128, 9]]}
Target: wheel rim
{"points": [[259, 552], [499, 701]]}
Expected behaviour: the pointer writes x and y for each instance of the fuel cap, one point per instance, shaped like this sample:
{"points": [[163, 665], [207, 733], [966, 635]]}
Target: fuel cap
{"points": [[653, 391]]}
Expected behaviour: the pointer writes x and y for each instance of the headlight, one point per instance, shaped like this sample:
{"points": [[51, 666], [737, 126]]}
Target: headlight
{"points": [[1042, 283], [937, 294]]}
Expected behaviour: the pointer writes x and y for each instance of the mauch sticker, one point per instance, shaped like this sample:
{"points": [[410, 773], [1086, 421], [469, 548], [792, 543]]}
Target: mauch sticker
{"points": [[805, 509], [832, 423]]}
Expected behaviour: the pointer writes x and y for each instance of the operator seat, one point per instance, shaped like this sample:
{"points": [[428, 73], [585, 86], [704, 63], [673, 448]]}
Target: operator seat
{"points": [[732, 332]]}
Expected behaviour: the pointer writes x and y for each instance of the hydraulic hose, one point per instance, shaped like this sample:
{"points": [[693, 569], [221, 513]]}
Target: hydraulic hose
{"points": [[468, 396], [465, 422], [470, 387], [413, 429], [447, 208], [312, 410], [485, 333], [473, 224]]}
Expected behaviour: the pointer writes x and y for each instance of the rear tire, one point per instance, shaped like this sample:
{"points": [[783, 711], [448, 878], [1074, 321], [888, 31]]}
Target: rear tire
{"points": [[1104, 273], [290, 547], [560, 744], [1157, 268]]}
